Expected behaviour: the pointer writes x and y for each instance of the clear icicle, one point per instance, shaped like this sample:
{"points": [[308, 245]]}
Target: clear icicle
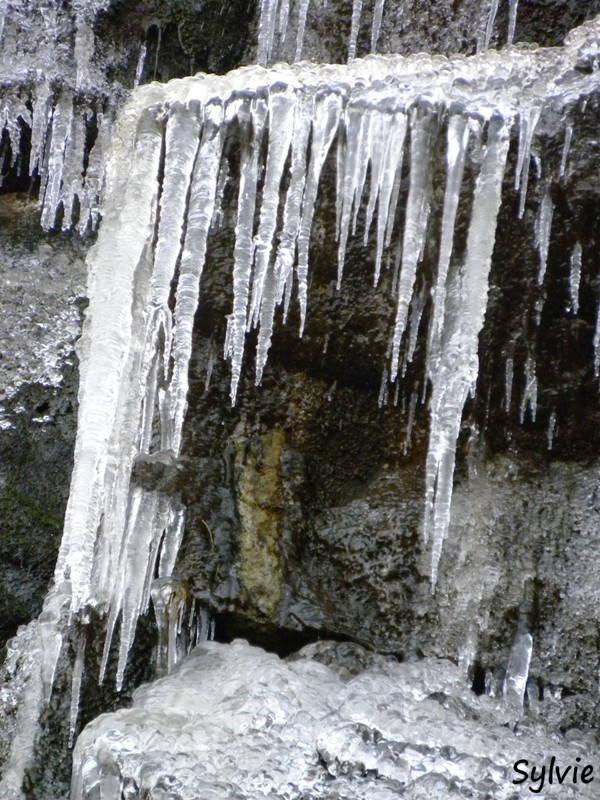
{"points": [[457, 140], [512, 19], [457, 373], [281, 122], [325, 125], [575, 277], [76, 687], [489, 27], [528, 122], [376, 27], [389, 185], [354, 27], [517, 671], [411, 419], [139, 70], [566, 150], [302, 15], [417, 216], [286, 250], [62, 118], [353, 164], [543, 227], [254, 118], [266, 30], [199, 215]]}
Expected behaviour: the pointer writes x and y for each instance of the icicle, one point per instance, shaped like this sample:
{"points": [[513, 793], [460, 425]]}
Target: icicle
{"points": [[551, 430], [139, 70], [284, 13], [508, 383], [457, 140], [575, 278], [94, 175], [199, 215], [543, 226], [566, 149], [353, 166], [528, 122], [266, 30], [130, 214], [354, 27], [84, 44], [325, 125], [286, 250], [72, 182], [62, 118], [76, 687], [489, 27], [376, 27], [281, 122], [244, 244], [512, 19], [596, 344], [389, 186], [467, 300], [417, 308], [415, 226], [411, 419], [302, 15], [530, 391], [518, 671]]}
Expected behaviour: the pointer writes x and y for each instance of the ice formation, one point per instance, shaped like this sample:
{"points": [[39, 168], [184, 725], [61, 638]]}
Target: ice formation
{"points": [[234, 721], [162, 186], [274, 25], [54, 90]]}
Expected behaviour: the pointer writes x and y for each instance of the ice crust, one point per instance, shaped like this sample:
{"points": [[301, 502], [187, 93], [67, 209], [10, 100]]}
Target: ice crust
{"points": [[336, 722]]}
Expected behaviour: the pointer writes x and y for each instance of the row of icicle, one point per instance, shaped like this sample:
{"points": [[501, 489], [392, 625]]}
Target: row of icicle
{"points": [[133, 401], [274, 26]]}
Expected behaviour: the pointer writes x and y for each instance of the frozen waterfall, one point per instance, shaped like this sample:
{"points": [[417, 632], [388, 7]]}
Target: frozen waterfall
{"points": [[402, 129]]}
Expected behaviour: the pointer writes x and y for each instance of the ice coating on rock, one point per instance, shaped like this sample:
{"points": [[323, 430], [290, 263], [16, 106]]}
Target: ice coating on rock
{"points": [[336, 721]]}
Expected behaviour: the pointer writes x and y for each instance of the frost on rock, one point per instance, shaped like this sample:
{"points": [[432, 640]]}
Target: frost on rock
{"points": [[234, 721]]}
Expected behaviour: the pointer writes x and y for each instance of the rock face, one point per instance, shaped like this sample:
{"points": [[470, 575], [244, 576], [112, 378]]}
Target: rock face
{"points": [[305, 501]]}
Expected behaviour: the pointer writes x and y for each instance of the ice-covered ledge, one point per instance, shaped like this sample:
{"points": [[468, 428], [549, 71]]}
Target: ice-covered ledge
{"points": [[235, 721]]}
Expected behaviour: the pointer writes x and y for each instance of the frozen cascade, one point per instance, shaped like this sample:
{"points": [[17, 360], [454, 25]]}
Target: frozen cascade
{"points": [[161, 187], [131, 346]]}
